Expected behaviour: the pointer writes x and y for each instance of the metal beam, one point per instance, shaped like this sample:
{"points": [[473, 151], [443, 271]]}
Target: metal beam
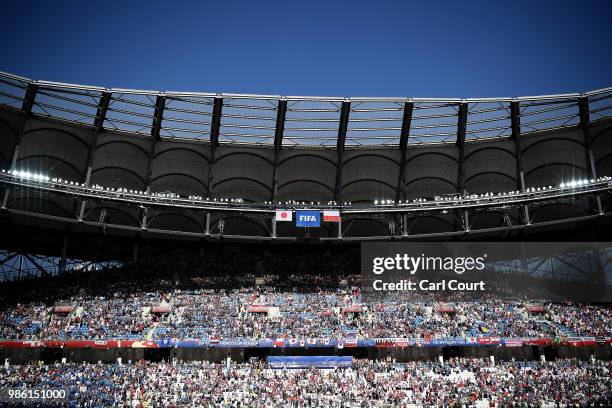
{"points": [[215, 127], [64, 255], [515, 123], [461, 131], [403, 146], [158, 117], [33, 261], [342, 129], [135, 251], [281, 112], [26, 111], [583, 108], [155, 129], [8, 258], [98, 128], [207, 225]]}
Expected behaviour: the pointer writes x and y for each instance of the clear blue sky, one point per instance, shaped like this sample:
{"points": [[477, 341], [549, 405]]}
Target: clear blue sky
{"points": [[351, 48]]}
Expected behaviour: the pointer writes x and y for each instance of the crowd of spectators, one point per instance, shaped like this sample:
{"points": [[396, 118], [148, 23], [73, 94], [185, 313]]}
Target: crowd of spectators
{"points": [[211, 298], [455, 382], [582, 320], [315, 312]]}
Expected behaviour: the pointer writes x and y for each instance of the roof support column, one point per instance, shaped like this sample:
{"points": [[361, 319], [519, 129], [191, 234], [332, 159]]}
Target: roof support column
{"points": [[342, 129], [64, 256], [26, 111], [98, 127], [405, 225], [135, 251], [214, 141], [345, 111], [207, 225], [158, 117], [583, 107], [281, 112], [461, 131], [515, 120], [403, 146]]}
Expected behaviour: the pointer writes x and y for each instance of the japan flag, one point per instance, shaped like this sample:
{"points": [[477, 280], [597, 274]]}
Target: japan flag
{"points": [[284, 215]]}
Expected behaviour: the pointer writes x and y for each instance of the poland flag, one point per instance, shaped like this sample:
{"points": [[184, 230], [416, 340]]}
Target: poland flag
{"points": [[331, 216], [284, 215]]}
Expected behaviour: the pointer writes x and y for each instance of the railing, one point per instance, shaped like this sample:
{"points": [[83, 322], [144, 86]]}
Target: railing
{"points": [[439, 203]]}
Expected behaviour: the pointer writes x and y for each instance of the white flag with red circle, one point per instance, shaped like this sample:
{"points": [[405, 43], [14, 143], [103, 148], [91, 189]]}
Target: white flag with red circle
{"points": [[284, 215]]}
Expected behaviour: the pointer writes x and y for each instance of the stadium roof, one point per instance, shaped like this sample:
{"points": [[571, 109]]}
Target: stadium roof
{"points": [[273, 149], [300, 120]]}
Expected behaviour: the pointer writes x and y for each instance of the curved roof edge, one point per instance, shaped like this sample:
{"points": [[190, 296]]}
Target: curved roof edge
{"points": [[305, 98]]}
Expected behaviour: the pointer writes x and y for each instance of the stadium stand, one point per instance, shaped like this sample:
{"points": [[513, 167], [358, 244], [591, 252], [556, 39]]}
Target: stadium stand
{"points": [[147, 259], [456, 382]]}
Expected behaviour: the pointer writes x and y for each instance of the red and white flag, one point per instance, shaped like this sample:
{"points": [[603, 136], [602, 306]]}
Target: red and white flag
{"points": [[331, 216], [284, 215]]}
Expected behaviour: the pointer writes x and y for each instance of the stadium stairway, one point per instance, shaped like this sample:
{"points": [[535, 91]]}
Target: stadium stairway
{"points": [[152, 331]]}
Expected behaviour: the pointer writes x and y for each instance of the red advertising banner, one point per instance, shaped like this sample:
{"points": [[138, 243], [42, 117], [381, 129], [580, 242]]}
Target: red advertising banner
{"points": [[445, 308], [62, 309], [257, 309], [535, 308], [489, 341]]}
